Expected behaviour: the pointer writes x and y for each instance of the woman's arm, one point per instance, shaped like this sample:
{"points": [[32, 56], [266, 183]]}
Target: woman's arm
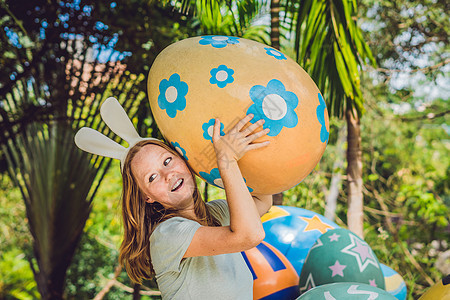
{"points": [[245, 230], [263, 203]]}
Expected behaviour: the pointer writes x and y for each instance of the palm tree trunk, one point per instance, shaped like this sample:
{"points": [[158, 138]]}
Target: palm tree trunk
{"points": [[275, 23], [354, 174], [335, 184]]}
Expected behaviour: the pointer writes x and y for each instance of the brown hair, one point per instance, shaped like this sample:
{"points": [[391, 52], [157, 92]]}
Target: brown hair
{"points": [[140, 218]]}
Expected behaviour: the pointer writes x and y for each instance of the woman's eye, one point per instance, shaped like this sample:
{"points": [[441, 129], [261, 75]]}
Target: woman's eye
{"points": [[152, 177], [166, 162]]}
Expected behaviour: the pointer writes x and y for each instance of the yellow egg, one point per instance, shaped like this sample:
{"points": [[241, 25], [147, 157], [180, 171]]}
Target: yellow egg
{"points": [[440, 290], [195, 80]]}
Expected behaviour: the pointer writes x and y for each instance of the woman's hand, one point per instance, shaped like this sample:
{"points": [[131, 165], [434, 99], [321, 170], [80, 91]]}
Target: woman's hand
{"points": [[238, 141]]}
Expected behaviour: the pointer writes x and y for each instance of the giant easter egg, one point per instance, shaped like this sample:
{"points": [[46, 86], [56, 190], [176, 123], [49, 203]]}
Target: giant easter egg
{"points": [[441, 290], [346, 291], [195, 80], [340, 256], [293, 231], [273, 275], [394, 283]]}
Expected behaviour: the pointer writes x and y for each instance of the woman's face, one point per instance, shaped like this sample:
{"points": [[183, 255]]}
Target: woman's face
{"points": [[163, 177]]}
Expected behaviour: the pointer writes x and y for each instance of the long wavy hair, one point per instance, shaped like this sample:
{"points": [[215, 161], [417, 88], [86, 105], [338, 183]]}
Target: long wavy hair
{"points": [[140, 218]]}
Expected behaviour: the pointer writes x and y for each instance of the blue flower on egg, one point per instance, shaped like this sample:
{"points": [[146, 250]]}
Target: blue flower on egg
{"points": [[172, 95], [275, 105], [218, 41], [320, 112], [208, 129], [275, 53], [214, 178], [221, 76], [179, 149]]}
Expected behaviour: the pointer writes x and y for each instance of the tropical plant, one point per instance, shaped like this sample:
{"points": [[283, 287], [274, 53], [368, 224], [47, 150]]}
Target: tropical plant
{"points": [[58, 65]]}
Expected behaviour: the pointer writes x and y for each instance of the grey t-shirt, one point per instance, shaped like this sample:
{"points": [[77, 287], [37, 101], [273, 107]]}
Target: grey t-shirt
{"points": [[224, 276]]}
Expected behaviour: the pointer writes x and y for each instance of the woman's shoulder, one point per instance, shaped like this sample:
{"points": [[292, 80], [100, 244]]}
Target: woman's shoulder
{"points": [[218, 203], [172, 226], [219, 208]]}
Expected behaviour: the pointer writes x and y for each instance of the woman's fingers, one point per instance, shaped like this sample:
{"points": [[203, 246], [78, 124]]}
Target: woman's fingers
{"points": [[257, 135], [216, 130], [247, 131], [242, 122], [257, 146]]}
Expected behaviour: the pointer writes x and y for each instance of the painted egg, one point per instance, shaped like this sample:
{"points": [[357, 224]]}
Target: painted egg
{"points": [[394, 283], [347, 291], [293, 231], [273, 276], [440, 290], [340, 256], [195, 80]]}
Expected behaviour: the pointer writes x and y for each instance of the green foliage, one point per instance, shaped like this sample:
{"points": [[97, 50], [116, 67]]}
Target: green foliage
{"points": [[86, 276], [407, 156], [16, 278]]}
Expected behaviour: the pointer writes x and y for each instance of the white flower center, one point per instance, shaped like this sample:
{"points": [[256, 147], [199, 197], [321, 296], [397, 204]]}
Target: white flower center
{"points": [[220, 38], [211, 130], [218, 182], [179, 150], [274, 107], [171, 94], [276, 53], [221, 75]]}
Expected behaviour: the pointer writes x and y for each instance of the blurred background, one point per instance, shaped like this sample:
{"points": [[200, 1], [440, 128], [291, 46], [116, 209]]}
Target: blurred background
{"points": [[382, 67]]}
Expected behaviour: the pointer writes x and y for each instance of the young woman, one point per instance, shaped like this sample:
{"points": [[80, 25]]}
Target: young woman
{"points": [[192, 248]]}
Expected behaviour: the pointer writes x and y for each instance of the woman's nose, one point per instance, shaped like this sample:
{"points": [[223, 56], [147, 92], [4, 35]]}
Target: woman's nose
{"points": [[168, 174]]}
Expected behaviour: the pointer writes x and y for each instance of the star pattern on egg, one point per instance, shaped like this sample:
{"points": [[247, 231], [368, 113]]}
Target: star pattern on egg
{"points": [[334, 237], [309, 284], [337, 269], [372, 282], [315, 223], [362, 253]]}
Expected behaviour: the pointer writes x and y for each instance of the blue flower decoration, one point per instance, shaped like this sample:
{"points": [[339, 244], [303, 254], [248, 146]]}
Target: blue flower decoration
{"points": [[208, 129], [218, 41], [179, 149], [221, 76], [320, 112], [172, 95], [275, 53], [214, 178], [275, 105]]}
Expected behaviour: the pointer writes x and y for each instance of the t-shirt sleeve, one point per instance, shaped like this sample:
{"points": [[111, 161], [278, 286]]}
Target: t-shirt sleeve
{"points": [[169, 242], [219, 208]]}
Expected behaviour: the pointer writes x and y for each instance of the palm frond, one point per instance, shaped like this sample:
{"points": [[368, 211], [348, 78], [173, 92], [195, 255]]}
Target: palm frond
{"points": [[329, 45]]}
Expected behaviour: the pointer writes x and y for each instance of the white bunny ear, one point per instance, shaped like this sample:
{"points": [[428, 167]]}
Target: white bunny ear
{"points": [[117, 120], [92, 141]]}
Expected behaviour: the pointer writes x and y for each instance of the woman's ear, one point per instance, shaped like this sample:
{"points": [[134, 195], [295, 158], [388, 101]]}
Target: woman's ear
{"points": [[148, 200]]}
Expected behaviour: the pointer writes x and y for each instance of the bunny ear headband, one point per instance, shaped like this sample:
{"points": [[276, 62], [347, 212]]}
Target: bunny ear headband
{"points": [[113, 114]]}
